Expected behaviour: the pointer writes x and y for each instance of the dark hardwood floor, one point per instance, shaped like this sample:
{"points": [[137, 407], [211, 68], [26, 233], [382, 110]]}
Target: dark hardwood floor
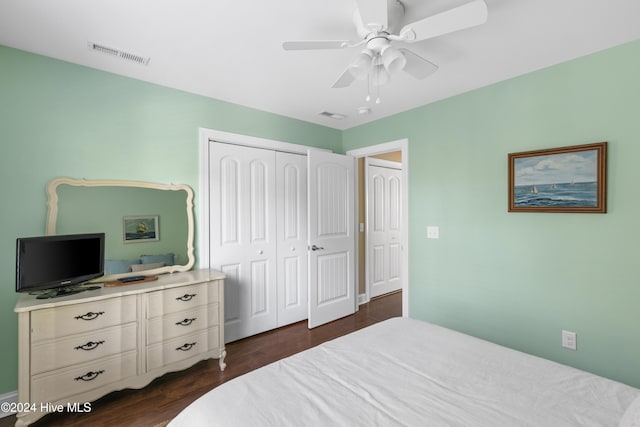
{"points": [[165, 397]]}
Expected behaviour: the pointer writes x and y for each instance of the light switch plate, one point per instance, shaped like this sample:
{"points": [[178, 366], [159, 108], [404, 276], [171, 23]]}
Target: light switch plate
{"points": [[433, 232], [569, 340]]}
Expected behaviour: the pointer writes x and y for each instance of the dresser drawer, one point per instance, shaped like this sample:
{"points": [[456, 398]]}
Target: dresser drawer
{"points": [[170, 301], [181, 323], [81, 348], [68, 382], [78, 318], [182, 348]]}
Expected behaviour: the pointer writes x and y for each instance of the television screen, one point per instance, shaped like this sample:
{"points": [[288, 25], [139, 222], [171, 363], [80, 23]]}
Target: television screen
{"points": [[48, 262]]}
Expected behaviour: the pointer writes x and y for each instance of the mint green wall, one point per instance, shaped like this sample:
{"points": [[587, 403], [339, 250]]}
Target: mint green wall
{"points": [[518, 279], [60, 119]]}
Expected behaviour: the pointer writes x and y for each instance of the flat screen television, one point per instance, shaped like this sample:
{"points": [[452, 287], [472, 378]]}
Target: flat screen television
{"points": [[57, 263]]}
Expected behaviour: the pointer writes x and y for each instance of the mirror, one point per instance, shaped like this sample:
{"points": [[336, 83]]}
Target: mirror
{"points": [[148, 227]]}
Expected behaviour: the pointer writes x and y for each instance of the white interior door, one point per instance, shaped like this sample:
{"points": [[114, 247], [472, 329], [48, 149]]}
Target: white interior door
{"points": [[243, 236], [331, 236], [291, 190], [384, 214]]}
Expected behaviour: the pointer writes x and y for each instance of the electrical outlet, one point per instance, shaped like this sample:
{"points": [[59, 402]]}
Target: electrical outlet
{"points": [[569, 340], [433, 232]]}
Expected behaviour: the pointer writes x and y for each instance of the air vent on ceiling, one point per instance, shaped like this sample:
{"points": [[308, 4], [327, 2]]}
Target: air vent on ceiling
{"points": [[335, 116], [127, 56]]}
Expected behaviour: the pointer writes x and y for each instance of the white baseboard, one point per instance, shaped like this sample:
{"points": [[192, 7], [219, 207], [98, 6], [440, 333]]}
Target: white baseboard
{"points": [[362, 299], [11, 399]]}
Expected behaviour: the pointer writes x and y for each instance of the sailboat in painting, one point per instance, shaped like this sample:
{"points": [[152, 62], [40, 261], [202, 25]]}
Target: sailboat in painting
{"points": [[534, 190]]}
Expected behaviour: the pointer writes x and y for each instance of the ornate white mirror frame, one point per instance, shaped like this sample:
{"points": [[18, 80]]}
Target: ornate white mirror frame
{"points": [[52, 215]]}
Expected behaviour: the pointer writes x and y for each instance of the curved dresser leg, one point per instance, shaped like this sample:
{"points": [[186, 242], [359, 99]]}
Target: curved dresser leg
{"points": [[223, 365]]}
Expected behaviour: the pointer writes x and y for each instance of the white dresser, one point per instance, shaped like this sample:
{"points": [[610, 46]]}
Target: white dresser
{"points": [[75, 349]]}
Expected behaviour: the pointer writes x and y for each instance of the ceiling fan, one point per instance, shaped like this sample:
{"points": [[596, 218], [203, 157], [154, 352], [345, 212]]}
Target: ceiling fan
{"points": [[378, 26]]}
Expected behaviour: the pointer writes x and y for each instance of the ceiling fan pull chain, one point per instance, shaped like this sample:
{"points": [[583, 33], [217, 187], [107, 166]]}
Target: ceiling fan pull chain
{"points": [[369, 83], [376, 84]]}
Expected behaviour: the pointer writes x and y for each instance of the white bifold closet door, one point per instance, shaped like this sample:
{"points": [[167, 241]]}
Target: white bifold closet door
{"points": [[258, 236], [384, 223], [291, 230]]}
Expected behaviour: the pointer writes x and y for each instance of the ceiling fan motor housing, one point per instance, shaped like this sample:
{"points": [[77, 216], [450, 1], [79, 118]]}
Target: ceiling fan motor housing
{"points": [[395, 16]]}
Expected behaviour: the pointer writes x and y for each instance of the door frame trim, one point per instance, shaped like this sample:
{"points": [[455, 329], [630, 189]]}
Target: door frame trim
{"points": [[401, 145]]}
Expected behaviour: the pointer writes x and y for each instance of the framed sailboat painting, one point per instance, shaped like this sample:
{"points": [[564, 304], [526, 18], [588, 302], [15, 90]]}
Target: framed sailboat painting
{"points": [[140, 228], [566, 179]]}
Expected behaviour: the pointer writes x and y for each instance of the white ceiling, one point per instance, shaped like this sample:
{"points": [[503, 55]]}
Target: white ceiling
{"points": [[231, 50]]}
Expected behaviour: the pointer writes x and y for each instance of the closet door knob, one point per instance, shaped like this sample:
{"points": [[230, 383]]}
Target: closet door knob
{"points": [[316, 248], [293, 249], [260, 252]]}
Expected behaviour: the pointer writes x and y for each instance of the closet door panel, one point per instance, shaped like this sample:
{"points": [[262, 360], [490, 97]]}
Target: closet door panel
{"points": [[232, 311], [292, 295], [243, 235], [259, 289], [258, 201], [229, 195], [291, 177]]}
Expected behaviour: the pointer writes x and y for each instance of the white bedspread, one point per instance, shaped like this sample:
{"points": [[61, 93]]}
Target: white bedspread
{"points": [[404, 372]]}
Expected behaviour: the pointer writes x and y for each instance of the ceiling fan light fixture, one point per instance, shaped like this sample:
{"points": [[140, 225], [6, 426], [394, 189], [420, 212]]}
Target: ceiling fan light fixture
{"points": [[393, 60], [361, 65]]}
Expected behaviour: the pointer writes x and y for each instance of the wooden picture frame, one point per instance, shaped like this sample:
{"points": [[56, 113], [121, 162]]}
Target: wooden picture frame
{"points": [[566, 179], [136, 229]]}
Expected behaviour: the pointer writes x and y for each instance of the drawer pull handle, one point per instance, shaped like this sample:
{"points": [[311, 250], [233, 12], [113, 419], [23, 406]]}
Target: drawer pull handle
{"points": [[90, 315], [89, 376], [186, 322], [91, 345], [186, 297], [186, 347]]}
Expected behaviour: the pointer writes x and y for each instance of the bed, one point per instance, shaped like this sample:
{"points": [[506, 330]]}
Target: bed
{"points": [[412, 373]]}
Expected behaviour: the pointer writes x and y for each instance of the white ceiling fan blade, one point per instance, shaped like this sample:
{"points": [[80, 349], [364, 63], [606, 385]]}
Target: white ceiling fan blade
{"points": [[344, 80], [373, 14], [461, 17], [417, 66], [315, 44]]}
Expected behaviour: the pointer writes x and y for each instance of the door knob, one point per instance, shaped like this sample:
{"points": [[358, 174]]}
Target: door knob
{"points": [[316, 248]]}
